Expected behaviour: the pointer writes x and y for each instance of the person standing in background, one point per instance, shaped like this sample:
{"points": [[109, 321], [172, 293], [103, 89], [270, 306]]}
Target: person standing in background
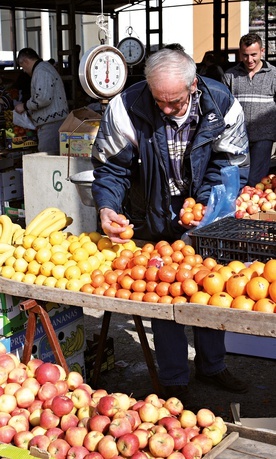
{"points": [[253, 83], [47, 106]]}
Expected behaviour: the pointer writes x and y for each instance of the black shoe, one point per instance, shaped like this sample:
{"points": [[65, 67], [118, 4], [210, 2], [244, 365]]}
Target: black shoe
{"points": [[180, 392], [225, 380]]}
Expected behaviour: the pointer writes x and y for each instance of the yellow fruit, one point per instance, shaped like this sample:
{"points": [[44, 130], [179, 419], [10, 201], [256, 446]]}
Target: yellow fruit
{"points": [[61, 283], [29, 278], [109, 254], [100, 256], [10, 261], [56, 238], [70, 263], [73, 246], [58, 248], [19, 252], [17, 276], [20, 265], [104, 243], [85, 266], [58, 271], [130, 245], [84, 234], [7, 271], [46, 268], [94, 262], [39, 243], [80, 254], [84, 239], [72, 272], [117, 248], [40, 279], [50, 282], [104, 267], [59, 258], [95, 236], [43, 255], [74, 285], [90, 247], [65, 244], [72, 238], [85, 277], [29, 254], [34, 267], [28, 240]]}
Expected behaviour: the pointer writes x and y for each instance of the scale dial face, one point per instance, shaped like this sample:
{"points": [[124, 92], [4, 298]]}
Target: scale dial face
{"points": [[103, 71], [132, 49]]}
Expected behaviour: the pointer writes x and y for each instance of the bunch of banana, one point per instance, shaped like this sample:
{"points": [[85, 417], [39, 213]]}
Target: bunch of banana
{"points": [[73, 343], [8, 230], [49, 220]]}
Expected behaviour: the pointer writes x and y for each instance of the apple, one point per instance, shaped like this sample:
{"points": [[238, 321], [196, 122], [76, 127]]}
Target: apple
{"points": [[22, 411], [221, 424], [203, 441], [100, 423], [68, 420], [187, 418], [32, 365], [157, 429], [92, 439], [252, 209], [146, 425], [38, 430], [205, 417], [119, 427], [58, 448], [40, 441], [48, 419], [75, 435], [266, 206], [7, 433], [47, 372], [240, 213], [17, 375], [191, 432], [98, 393], [138, 404], [128, 444], [143, 437], [108, 405], [31, 383], [77, 452], [176, 455], [7, 362], [22, 439], [138, 455], [107, 447], [54, 433], [4, 418], [163, 412], [273, 183], [132, 416], [19, 422], [86, 387], [62, 372], [80, 397], [179, 436], [84, 422], [62, 387], [34, 418], [259, 186], [154, 399], [37, 404], [47, 391], [7, 403], [213, 432], [148, 413], [24, 397], [3, 375], [169, 422], [161, 444], [266, 180], [94, 455], [11, 388], [271, 196], [74, 380], [47, 403], [61, 405], [245, 197], [192, 451], [174, 405], [85, 411], [123, 399]]}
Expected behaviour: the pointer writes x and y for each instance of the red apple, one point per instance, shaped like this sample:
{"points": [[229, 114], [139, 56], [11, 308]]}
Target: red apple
{"points": [[80, 397], [174, 405], [119, 427], [68, 420], [23, 411], [62, 387], [7, 362], [179, 436], [85, 411], [163, 412], [108, 405], [47, 372], [123, 399], [36, 405], [54, 433], [99, 422], [203, 441], [58, 448], [31, 383], [19, 422], [11, 388], [205, 417], [94, 455], [154, 399], [34, 418], [191, 432], [74, 380], [192, 451], [7, 403], [7, 433], [92, 439], [148, 413], [38, 430], [161, 445], [128, 444], [4, 418], [176, 455], [107, 447], [137, 405], [61, 405], [17, 375], [146, 425], [169, 422], [84, 422], [98, 393], [188, 418], [266, 180], [240, 214], [48, 419], [47, 391], [156, 428], [40, 441], [75, 435], [86, 387], [143, 437], [22, 439], [32, 365], [221, 424], [77, 452], [138, 455]]}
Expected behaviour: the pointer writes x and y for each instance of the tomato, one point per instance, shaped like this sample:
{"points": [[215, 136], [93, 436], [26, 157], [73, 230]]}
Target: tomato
{"points": [[166, 274]]}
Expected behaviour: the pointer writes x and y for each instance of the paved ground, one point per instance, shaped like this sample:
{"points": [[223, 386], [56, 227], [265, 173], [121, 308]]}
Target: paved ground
{"points": [[130, 374]]}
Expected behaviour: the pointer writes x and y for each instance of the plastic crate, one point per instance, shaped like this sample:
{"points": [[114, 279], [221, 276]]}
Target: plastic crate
{"points": [[236, 239]]}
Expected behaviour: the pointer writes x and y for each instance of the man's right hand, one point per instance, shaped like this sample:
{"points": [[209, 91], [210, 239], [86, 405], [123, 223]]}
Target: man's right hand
{"points": [[113, 224]]}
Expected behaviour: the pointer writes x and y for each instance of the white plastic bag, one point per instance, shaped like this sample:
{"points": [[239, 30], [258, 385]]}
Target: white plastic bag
{"points": [[22, 119]]}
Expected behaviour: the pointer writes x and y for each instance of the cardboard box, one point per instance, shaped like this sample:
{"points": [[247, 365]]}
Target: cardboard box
{"points": [[14, 209], [267, 216], [78, 132], [22, 142], [256, 346], [108, 361], [11, 185]]}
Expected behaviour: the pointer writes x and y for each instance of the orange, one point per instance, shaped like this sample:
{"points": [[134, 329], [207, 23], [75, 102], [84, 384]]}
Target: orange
{"points": [[162, 288], [236, 285], [272, 291], [243, 302], [200, 274], [151, 297], [189, 287], [175, 289], [149, 247], [236, 265], [226, 272], [179, 299], [188, 250], [104, 243], [151, 273], [270, 270], [151, 286], [136, 296], [165, 250], [189, 202], [123, 293], [178, 245], [177, 256], [138, 272], [166, 299], [257, 266], [265, 305], [200, 297], [166, 274], [213, 283], [257, 288], [183, 273], [221, 299], [139, 285], [249, 272], [209, 262]]}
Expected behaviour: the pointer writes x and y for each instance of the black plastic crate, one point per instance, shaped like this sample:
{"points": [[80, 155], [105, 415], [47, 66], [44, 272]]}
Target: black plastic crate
{"points": [[236, 239]]}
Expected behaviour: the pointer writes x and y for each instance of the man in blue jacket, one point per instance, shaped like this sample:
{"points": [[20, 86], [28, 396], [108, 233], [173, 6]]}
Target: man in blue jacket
{"points": [[160, 141]]}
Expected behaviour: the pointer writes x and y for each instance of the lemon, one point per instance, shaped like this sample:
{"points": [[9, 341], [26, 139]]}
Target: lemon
{"points": [[130, 245], [20, 265], [59, 258], [50, 282], [72, 238], [39, 243], [74, 285], [80, 254], [86, 278], [56, 237], [81, 235], [95, 236], [29, 278], [28, 240], [65, 244], [90, 247], [84, 239], [17, 276], [40, 279], [85, 266], [109, 254], [94, 262], [104, 267], [43, 255], [46, 268], [7, 271], [104, 243], [100, 256], [117, 248], [34, 267], [29, 254], [19, 252], [58, 248], [61, 283], [73, 246], [10, 261], [58, 271], [70, 263], [72, 272]]}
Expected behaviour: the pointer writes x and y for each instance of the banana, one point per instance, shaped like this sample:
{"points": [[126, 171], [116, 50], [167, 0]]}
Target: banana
{"points": [[17, 237], [80, 337], [47, 222], [7, 224], [43, 215], [57, 225], [4, 247], [4, 256]]}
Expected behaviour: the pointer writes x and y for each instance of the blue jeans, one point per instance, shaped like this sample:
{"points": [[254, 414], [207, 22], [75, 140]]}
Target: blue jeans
{"points": [[171, 350], [260, 159]]}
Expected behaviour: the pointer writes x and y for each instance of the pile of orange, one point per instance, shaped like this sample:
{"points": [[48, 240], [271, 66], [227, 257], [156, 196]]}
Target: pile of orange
{"points": [[192, 211], [174, 273]]}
